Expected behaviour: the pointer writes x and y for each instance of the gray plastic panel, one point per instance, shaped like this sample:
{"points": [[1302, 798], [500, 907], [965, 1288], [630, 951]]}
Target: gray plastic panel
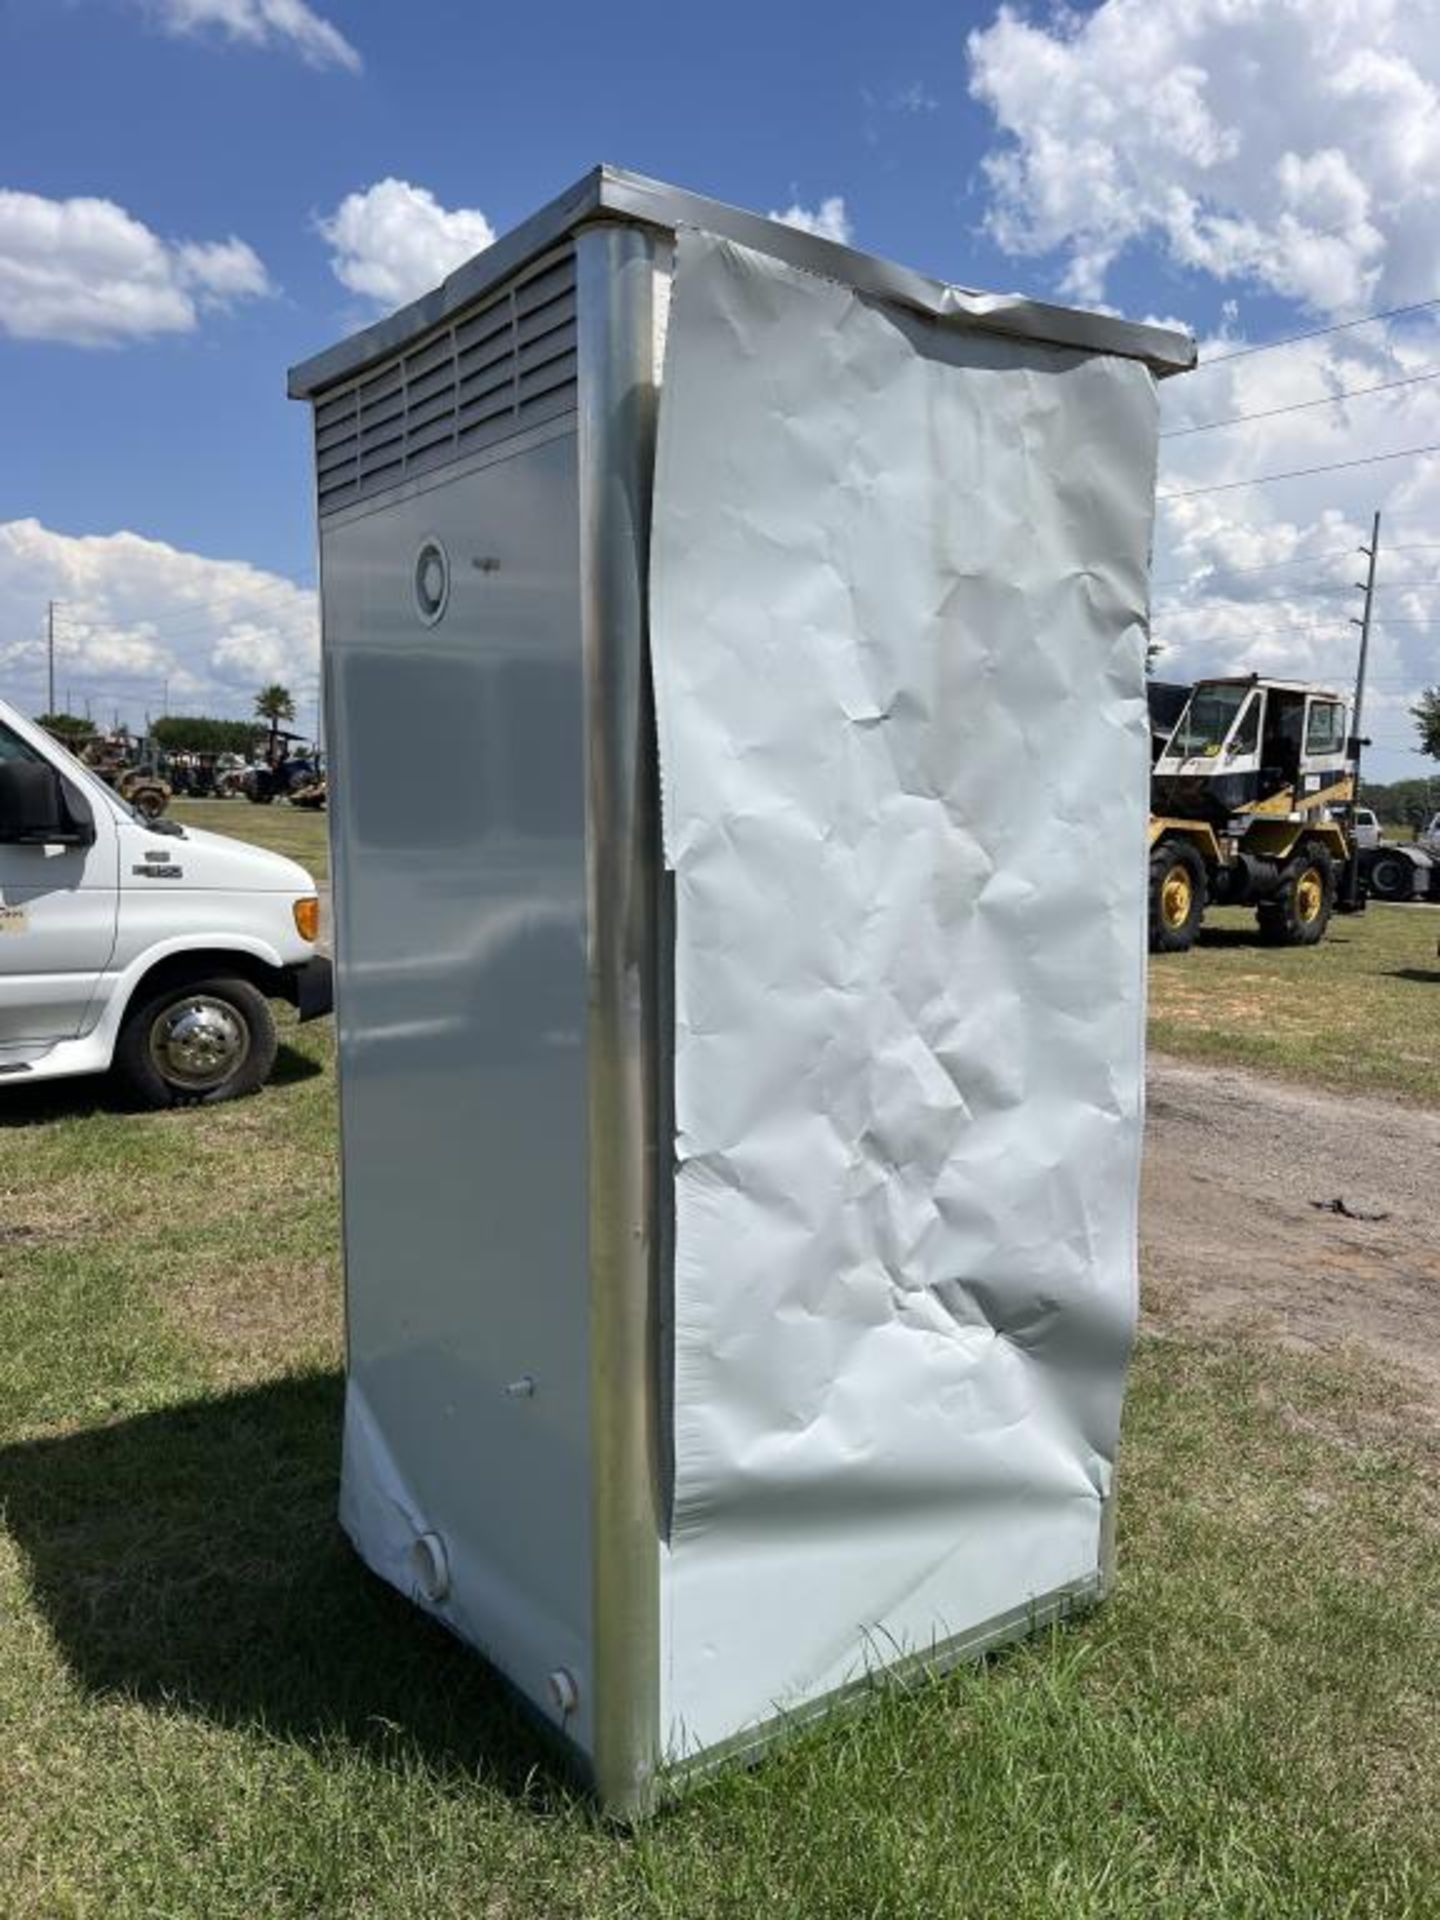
{"points": [[458, 822]]}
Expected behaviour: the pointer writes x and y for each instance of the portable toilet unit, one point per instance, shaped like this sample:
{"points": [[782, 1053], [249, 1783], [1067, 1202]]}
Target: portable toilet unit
{"points": [[734, 657]]}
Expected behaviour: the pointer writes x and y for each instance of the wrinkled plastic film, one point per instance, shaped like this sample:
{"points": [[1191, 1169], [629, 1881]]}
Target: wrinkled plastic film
{"points": [[898, 605]]}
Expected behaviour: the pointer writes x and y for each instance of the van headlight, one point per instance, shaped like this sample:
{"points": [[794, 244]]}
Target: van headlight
{"points": [[307, 917]]}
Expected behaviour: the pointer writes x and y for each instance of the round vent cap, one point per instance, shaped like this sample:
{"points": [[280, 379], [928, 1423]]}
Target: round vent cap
{"points": [[432, 581]]}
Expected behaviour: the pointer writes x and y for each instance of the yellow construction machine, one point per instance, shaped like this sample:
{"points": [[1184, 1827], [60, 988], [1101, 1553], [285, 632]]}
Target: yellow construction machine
{"points": [[1249, 799]]}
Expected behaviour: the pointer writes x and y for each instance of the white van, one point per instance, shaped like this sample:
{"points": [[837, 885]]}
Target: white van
{"points": [[142, 946]]}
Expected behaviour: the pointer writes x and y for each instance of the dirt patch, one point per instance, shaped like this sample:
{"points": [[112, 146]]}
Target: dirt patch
{"points": [[1239, 1222], [246, 1317]]}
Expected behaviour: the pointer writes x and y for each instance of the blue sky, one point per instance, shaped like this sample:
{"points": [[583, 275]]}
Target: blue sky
{"points": [[192, 439], [1158, 158]]}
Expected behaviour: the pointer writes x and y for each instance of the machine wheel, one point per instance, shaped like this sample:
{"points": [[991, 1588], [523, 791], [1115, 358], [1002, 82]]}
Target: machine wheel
{"points": [[1391, 877], [196, 1043], [149, 802], [1298, 912], [1177, 897]]}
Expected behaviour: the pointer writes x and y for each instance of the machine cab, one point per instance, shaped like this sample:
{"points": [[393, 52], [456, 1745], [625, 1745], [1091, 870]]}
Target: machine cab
{"points": [[1248, 743]]}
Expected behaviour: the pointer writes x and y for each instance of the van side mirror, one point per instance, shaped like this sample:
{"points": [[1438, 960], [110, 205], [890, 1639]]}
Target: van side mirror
{"points": [[34, 810]]}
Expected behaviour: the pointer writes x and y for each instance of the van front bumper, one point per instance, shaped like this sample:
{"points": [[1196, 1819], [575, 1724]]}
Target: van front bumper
{"points": [[310, 987]]}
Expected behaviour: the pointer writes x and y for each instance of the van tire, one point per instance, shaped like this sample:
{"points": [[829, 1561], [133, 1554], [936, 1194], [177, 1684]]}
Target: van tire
{"points": [[227, 1052]]}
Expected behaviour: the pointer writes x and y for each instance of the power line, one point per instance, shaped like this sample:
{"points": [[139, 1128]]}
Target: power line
{"points": [[1277, 566], [1299, 406], [1300, 473], [1287, 597], [1269, 566], [1317, 333], [1266, 633]]}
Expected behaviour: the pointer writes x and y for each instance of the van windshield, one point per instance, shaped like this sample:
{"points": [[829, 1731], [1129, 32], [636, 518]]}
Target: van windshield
{"points": [[1206, 720]]}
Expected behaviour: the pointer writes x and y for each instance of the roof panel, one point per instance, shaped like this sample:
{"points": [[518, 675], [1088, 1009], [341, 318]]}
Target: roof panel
{"points": [[650, 202]]}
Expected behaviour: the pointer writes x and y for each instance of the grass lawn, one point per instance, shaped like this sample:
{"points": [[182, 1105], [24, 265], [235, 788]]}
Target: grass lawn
{"points": [[292, 830], [207, 1708], [1360, 1012]]}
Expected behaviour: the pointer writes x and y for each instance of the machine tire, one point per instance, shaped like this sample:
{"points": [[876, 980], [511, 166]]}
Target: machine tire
{"points": [[1298, 912], [223, 1011], [149, 802], [1391, 876], [1177, 897]]}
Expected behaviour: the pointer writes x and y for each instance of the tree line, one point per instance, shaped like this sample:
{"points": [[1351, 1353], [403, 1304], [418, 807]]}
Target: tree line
{"points": [[196, 733]]}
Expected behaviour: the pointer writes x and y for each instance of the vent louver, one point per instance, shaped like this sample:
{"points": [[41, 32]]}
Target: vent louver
{"points": [[495, 371]]}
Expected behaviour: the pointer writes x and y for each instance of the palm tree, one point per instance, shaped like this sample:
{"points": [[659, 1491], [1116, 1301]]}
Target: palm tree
{"points": [[274, 703]]}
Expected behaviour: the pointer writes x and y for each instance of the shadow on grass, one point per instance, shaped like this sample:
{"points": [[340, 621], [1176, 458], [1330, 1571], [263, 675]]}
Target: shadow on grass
{"points": [[291, 1067], [1429, 975], [26, 1106], [1231, 937], [22, 1106], [191, 1558]]}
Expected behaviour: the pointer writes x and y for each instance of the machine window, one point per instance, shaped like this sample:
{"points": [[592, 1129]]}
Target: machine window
{"points": [[1246, 737], [1324, 727], [1206, 721]]}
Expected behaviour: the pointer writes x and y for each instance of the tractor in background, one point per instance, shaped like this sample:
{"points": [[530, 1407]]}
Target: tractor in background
{"points": [[1245, 793]]}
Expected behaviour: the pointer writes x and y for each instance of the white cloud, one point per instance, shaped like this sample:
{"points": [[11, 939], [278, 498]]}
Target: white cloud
{"points": [[87, 272], [137, 614], [828, 221], [1264, 577], [262, 23], [394, 242], [1293, 145]]}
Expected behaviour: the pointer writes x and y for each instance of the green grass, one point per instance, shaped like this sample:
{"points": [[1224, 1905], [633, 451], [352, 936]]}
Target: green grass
{"points": [[207, 1708], [1360, 1012]]}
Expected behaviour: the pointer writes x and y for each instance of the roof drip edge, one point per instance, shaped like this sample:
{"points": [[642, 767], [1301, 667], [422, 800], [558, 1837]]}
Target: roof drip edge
{"points": [[630, 196]]}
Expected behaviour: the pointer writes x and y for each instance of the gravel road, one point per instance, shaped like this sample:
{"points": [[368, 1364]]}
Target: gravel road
{"points": [[1238, 1221]]}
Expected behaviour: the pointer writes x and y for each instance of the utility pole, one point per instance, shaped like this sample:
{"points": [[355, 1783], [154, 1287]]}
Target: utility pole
{"points": [[50, 660], [1367, 586]]}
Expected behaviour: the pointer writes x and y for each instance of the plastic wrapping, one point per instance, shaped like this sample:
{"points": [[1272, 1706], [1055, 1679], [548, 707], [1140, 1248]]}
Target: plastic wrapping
{"points": [[897, 625]]}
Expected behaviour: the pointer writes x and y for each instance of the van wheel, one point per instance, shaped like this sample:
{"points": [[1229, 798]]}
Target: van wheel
{"points": [[196, 1043]]}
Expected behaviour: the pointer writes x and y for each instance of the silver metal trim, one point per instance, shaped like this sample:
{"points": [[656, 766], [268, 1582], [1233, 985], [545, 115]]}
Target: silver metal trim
{"points": [[614, 275], [630, 196]]}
